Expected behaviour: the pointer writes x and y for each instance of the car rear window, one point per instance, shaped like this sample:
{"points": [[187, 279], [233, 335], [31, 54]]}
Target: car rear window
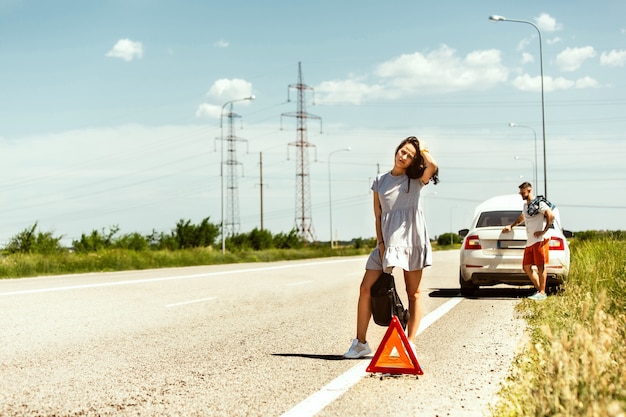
{"points": [[497, 218], [500, 218]]}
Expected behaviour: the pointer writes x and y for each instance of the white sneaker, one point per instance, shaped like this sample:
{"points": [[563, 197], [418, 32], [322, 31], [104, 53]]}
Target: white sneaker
{"points": [[357, 350], [538, 296]]}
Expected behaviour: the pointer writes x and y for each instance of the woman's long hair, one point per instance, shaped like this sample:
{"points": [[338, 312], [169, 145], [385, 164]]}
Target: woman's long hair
{"points": [[418, 166]]}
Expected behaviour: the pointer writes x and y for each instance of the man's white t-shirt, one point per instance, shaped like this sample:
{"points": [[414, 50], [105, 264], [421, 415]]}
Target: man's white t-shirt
{"points": [[534, 223]]}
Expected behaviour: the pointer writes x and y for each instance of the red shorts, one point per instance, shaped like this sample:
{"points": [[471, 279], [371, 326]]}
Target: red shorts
{"points": [[537, 254]]}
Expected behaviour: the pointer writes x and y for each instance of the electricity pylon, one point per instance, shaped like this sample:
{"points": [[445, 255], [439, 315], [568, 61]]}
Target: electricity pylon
{"points": [[303, 218]]}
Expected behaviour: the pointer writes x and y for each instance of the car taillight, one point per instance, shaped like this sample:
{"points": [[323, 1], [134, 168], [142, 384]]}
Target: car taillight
{"points": [[472, 243], [556, 243]]}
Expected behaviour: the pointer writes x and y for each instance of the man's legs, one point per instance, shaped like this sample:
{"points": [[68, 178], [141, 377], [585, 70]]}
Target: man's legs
{"points": [[543, 278], [537, 255], [534, 277], [541, 260]]}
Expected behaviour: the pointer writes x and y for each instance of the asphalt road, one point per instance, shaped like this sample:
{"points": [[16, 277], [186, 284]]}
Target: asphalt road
{"points": [[262, 339]]}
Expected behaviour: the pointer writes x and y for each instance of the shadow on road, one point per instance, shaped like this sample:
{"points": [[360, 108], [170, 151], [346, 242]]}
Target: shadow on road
{"points": [[312, 356], [445, 293], [484, 292]]}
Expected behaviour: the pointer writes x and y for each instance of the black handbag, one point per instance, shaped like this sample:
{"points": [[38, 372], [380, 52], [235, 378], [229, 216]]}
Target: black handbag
{"points": [[386, 303]]}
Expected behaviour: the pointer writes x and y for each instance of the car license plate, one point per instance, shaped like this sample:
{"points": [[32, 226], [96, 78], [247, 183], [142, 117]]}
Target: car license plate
{"points": [[511, 244]]}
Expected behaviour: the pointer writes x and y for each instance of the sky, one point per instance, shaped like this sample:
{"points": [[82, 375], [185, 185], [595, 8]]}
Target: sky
{"points": [[111, 112]]}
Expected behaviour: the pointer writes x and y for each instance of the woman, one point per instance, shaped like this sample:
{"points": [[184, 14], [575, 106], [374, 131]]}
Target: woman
{"points": [[401, 234]]}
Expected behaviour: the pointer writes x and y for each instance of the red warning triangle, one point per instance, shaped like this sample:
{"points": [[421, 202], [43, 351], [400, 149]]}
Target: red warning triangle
{"points": [[394, 355]]}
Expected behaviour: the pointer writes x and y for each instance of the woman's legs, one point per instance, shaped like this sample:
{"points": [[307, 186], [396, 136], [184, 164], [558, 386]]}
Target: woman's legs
{"points": [[412, 281], [364, 307]]}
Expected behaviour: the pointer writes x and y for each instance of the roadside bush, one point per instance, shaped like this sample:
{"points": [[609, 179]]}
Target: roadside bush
{"points": [[237, 243], [187, 235], [255, 240], [95, 241], [291, 240], [600, 234], [260, 239], [360, 243], [448, 238], [32, 241], [132, 241]]}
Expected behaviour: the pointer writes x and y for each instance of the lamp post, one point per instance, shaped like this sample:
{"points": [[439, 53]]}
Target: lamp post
{"points": [[250, 98], [330, 205], [497, 18], [517, 158]]}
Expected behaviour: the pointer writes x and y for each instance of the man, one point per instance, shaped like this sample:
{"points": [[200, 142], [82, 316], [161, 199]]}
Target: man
{"points": [[538, 218]]}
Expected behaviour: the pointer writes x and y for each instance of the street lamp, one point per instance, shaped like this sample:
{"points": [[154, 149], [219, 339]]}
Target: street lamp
{"points": [[517, 158], [535, 164], [250, 98], [330, 205], [497, 18]]}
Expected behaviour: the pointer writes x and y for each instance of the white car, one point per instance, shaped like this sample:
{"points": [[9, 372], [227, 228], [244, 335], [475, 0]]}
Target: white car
{"points": [[489, 256]]}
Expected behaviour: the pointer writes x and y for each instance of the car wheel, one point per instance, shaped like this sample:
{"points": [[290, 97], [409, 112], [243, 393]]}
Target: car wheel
{"points": [[467, 288], [554, 289]]}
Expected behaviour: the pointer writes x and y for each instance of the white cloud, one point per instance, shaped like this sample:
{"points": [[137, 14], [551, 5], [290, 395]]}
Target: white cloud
{"points": [[230, 89], [126, 50], [524, 43], [208, 111], [558, 83], [346, 91], [526, 58], [553, 41], [527, 83], [443, 70], [586, 82], [221, 44], [613, 58], [222, 91], [572, 58], [547, 23], [439, 71]]}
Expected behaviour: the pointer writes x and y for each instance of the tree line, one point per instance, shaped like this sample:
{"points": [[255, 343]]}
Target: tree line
{"points": [[185, 235]]}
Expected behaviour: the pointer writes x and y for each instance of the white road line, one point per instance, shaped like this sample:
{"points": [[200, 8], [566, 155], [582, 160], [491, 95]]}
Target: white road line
{"points": [[438, 313], [170, 278], [337, 387], [190, 302]]}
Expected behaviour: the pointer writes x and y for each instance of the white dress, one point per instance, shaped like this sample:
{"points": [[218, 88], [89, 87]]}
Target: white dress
{"points": [[403, 225]]}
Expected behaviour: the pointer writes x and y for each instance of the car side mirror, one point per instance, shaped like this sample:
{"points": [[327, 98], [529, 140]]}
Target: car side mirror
{"points": [[568, 233], [463, 232]]}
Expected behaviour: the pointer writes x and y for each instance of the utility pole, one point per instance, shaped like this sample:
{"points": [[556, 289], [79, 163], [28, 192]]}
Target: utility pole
{"points": [[303, 218], [261, 184]]}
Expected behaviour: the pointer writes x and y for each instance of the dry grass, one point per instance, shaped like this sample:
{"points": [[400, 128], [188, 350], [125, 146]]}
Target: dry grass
{"points": [[575, 362]]}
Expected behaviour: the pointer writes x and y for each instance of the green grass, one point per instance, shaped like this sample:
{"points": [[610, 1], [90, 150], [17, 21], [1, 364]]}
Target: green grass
{"points": [[574, 363], [29, 265], [107, 260]]}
